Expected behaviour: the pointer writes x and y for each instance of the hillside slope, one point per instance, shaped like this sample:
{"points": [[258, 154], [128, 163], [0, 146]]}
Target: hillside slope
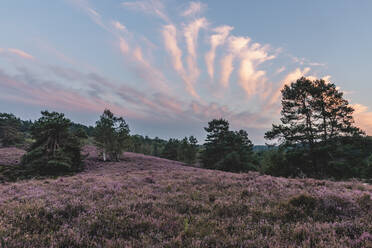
{"points": [[145, 201]]}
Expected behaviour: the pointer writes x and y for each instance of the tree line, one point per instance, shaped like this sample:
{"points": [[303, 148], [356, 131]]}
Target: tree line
{"points": [[316, 137]]}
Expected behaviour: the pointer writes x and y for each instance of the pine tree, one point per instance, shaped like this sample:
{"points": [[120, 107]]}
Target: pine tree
{"points": [[317, 129], [111, 135], [214, 147], [171, 149], [312, 112], [56, 149], [227, 150]]}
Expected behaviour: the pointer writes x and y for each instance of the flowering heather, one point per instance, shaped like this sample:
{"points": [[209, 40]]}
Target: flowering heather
{"points": [[145, 201], [10, 155]]}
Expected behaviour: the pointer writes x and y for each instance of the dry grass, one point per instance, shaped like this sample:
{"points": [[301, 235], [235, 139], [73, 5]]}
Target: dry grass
{"points": [[152, 202]]}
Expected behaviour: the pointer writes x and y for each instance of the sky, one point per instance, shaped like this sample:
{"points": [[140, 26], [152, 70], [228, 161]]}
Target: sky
{"points": [[170, 66]]}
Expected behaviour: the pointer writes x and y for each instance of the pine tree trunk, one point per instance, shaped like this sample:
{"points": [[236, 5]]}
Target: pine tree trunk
{"points": [[104, 156]]}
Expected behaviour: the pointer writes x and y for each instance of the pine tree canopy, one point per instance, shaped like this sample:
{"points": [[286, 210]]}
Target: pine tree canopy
{"points": [[56, 149], [313, 111]]}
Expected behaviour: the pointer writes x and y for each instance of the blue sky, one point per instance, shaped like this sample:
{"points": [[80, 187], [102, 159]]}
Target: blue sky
{"points": [[170, 66]]}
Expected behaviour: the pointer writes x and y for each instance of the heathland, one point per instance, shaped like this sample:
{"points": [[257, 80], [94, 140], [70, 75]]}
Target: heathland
{"points": [[145, 201]]}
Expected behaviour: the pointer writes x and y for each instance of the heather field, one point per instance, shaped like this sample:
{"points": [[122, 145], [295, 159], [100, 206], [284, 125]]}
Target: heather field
{"points": [[145, 201]]}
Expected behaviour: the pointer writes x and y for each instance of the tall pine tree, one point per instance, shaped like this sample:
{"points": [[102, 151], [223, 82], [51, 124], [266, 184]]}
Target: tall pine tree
{"points": [[317, 129]]}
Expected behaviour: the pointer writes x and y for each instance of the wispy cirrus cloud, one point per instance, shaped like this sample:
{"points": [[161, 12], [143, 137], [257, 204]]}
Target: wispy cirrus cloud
{"points": [[17, 52], [250, 77], [153, 7], [250, 57], [152, 75], [227, 68], [193, 9], [171, 45], [123, 45], [217, 39], [280, 70], [85, 6], [191, 33], [119, 26], [20, 53]]}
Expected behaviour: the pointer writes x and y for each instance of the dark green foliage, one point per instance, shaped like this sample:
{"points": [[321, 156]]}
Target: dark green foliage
{"points": [[56, 149], [26, 126], [12, 173], [191, 150], [317, 135], [10, 130], [145, 145], [313, 111], [171, 150], [111, 135], [227, 150], [89, 130], [184, 150]]}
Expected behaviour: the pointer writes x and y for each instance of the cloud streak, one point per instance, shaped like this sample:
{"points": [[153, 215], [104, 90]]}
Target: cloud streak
{"points": [[191, 33], [216, 40], [193, 9], [153, 7], [171, 45], [119, 26], [20, 53]]}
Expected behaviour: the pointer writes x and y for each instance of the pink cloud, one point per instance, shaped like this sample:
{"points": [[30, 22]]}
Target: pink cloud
{"points": [[226, 69], [53, 96], [152, 75], [191, 33], [119, 26], [123, 45], [193, 9], [215, 41], [363, 117], [280, 70], [20, 53], [250, 78], [171, 45], [288, 79]]}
